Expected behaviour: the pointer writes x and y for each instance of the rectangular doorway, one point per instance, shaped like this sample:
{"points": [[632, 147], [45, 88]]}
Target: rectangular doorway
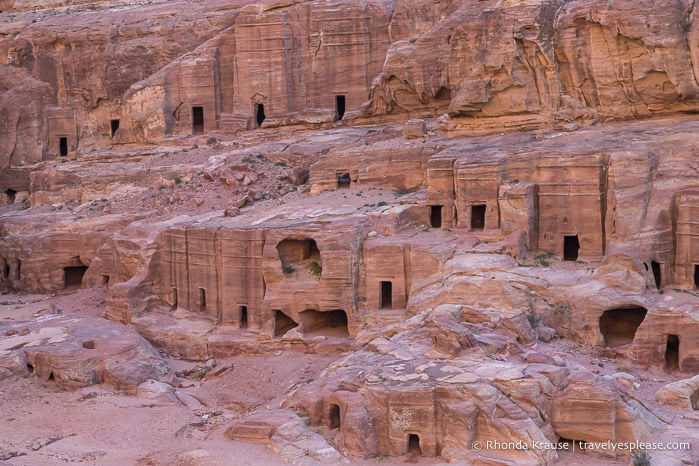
{"points": [[339, 107], [197, 120], [478, 217], [571, 246], [436, 216], [386, 295], [63, 146], [672, 352], [115, 126]]}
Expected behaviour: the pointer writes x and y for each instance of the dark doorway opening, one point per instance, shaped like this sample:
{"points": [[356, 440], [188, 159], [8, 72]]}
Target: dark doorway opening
{"points": [[6, 271], [197, 120], [89, 344], [478, 217], [259, 114], [115, 126], [339, 107], [343, 180], [51, 378], [618, 326], [436, 216], [414, 445], [386, 295], [63, 146], [696, 276], [571, 246], [282, 324], [328, 324], [243, 317], [202, 300], [173, 298], [105, 280], [672, 352], [657, 275], [11, 195], [73, 276], [334, 420]]}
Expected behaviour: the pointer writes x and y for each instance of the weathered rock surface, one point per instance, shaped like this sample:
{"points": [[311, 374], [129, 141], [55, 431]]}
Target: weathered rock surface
{"points": [[683, 394], [75, 351], [287, 434], [487, 66]]}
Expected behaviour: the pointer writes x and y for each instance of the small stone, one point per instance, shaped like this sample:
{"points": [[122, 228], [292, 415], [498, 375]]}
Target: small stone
{"points": [[544, 333], [298, 176], [372, 234], [414, 129], [540, 358]]}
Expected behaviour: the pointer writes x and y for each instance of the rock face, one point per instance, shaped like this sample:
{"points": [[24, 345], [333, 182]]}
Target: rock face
{"points": [[487, 66], [76, 352]]}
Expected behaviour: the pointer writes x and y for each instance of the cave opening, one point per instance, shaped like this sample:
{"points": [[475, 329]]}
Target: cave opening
{"points": [[297, 253], [696, 276], [197, 120], [173, 298], [386, 295], [478, 217], [343, 180], [672, 352], [282, 324], [243, 317], [657, 274], [11, 195], [6, 271], [89, 344], [73, 277], [63, 146], [436, 216], [105, 280], [327, 324], [334, 420], [571, 247], [30, 368], [618, 326], [414, 445], [339, 107], [259, 114], [114, 126]]}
